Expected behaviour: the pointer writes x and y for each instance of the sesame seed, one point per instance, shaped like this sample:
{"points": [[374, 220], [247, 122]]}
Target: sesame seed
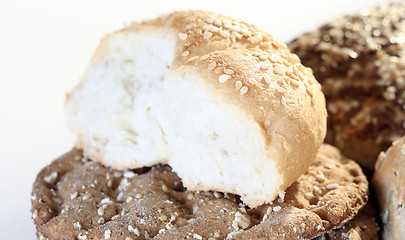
{"points": [[128, 238], [165, 188], [217, 22], [265, 66], [278, 71], [267, 78], [131, 228], [236, 27], [35, 214], [138, 196], [129, 174], [224, 34], [115, 217], [245, 32], [136, 232], [280, 89], [227, 25], [117, 174], [163, 218], [219, 70], [267, 123], [310, 92], [229, 71], [243, 90], [190, 196], [265, 44], [128, 199], [77, 225], [223, 78], [192, 60], [283, 101], [101, 220], [146, 235], [209, 20], [51, 178], [106, 201], [182, 36], [119, 196], [82, 236], [275, 45], [252, 81], [308, 195], [238, 85], [332, 186], [109, 183], [237, 35], [276, 208], [74, 195], [253, 40], [196, 236], [217, 195], [211, 28], [185, 53], [107, 234], [207, 35], [100, 211], [212, 66], [294, 82], [57, 200], [205, 56], [263, 57]]}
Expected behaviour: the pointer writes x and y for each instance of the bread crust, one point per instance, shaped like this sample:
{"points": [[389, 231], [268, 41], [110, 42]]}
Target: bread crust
{"points": [[389, 184]]}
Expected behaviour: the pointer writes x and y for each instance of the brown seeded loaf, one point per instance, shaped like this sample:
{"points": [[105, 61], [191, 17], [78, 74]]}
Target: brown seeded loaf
{"points": [[389, 184], [360, 61], [226, 105]]}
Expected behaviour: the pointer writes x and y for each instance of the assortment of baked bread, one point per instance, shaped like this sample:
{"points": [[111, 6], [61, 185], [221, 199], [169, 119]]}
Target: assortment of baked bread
{"points": [[195, 125]]}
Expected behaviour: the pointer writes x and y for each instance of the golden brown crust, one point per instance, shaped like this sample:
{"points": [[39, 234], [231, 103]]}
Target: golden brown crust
{"points": [[359, 60], [74, 196]]}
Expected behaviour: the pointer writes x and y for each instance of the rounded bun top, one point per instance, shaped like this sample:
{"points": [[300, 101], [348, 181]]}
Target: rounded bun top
{"points": [[360, 61], [226, 105]]}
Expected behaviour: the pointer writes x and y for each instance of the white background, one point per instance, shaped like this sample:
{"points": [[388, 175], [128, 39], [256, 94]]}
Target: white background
{"points": [[45, 45]]}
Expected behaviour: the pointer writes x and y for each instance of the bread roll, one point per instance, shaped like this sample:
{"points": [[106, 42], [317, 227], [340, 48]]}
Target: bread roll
{"points": [[226, 105], [389, 184], [360, 61]]}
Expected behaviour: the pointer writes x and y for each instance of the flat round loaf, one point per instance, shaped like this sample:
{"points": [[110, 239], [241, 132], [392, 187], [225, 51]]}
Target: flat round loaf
{"points": [[77, 198], [389, 184], [227, 106], [359, 60]]}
